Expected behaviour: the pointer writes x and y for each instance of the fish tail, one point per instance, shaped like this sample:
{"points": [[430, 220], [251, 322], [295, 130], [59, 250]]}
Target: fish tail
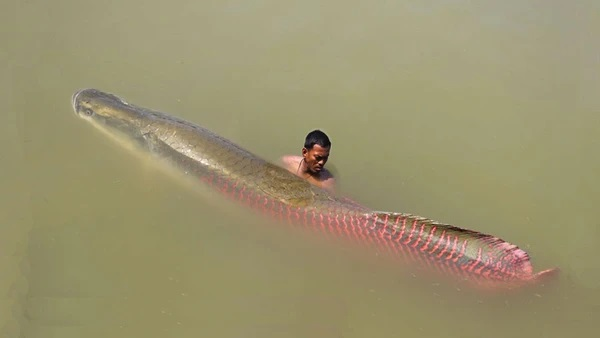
{"points": [[456, 251]]}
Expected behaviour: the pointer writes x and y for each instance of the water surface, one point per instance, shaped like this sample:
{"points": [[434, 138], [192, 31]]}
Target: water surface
{"points": [[481, 115]]}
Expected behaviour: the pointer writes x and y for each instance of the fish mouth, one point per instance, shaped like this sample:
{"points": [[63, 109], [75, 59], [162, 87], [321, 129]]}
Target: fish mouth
{"points": [[74, 99]]}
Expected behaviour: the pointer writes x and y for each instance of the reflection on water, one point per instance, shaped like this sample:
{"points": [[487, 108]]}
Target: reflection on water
{"points": [[481, 115]]}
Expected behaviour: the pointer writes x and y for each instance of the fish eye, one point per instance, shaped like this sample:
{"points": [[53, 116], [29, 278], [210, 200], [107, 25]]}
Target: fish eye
{"points": [[88, 112]]}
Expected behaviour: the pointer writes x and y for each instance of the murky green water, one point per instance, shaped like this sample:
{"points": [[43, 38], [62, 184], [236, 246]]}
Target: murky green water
{"points": [[482, 115]]}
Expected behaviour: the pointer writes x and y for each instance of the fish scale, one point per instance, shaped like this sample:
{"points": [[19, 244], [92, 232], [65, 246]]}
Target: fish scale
{"points": [[240, 175]]}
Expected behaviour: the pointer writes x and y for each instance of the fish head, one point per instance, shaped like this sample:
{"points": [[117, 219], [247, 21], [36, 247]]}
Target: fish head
{"points": [[111, 115]]}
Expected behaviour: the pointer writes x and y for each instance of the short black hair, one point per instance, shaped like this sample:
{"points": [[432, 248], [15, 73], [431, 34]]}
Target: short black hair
{"points": [[317, 137]]}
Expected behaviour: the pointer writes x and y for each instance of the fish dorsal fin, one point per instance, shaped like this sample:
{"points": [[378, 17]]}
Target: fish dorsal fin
{"points": [[412, 228]]}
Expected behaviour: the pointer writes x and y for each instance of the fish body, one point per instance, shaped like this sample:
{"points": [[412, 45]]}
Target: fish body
{"points": [[480, 259]]}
